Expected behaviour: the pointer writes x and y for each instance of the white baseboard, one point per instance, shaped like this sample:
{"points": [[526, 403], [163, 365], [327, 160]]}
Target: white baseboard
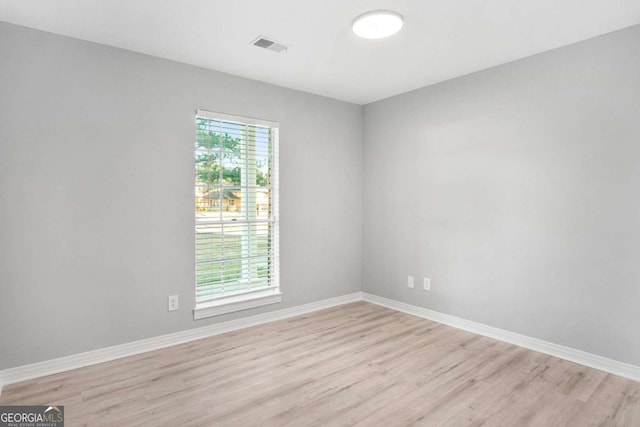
{"points": [[40, 369], [577, 356], [67, 363]]}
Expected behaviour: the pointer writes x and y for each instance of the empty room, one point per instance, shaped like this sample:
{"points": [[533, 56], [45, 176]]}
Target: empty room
{"points": [[319, 213]]}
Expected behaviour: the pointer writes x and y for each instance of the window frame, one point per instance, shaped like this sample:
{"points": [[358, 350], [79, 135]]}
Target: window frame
{"points": [[263, 296]]}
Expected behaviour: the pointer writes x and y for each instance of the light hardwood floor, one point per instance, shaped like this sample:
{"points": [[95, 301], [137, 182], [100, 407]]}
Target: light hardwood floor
{"points": [[357, 364]]}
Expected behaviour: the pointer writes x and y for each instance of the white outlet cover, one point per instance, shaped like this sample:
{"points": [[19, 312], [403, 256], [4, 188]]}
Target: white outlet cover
{"points": [[427, 284], [410, 281], [173, 302]]}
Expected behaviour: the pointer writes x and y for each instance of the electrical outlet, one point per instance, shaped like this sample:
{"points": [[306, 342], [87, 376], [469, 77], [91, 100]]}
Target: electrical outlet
{"points": [[173, 302], [410, 281], [427, 284]]}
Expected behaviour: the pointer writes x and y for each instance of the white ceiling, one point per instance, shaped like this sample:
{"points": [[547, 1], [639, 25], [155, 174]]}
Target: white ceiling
{"points": [[441, 39]]}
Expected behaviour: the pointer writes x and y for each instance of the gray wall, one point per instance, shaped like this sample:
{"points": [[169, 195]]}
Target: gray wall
{"points": [[517, 191], [96, 192], [514, 189]]}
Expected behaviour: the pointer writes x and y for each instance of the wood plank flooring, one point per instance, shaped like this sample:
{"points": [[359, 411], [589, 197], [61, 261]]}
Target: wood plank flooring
{"points": [[357, 364]]}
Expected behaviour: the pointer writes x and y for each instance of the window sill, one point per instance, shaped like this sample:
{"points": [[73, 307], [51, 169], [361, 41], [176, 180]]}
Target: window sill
{"points": [[230, 304]]}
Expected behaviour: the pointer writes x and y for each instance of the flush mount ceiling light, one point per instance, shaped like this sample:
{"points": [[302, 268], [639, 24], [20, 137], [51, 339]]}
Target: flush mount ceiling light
{"points": [[377, 24]]}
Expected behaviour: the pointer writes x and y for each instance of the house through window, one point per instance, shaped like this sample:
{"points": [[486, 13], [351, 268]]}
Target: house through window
{"points": [[236, 207]]}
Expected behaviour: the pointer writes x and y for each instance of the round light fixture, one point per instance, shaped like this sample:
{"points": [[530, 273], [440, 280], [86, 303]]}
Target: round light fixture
{"points": [[377, 24]]}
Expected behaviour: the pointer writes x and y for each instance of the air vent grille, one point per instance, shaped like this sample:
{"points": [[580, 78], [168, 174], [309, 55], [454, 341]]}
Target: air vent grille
{"points": [[269, 44]]}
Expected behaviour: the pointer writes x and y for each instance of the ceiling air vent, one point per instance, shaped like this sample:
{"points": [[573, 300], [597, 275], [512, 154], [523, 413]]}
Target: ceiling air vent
{"points": [[268, 44]]}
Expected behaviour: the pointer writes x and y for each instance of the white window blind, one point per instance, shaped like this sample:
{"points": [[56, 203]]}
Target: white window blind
{"points": [[236, 205]]}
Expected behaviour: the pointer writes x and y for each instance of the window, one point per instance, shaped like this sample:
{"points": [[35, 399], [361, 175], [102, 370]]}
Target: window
{"points": [[236, 207]]}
